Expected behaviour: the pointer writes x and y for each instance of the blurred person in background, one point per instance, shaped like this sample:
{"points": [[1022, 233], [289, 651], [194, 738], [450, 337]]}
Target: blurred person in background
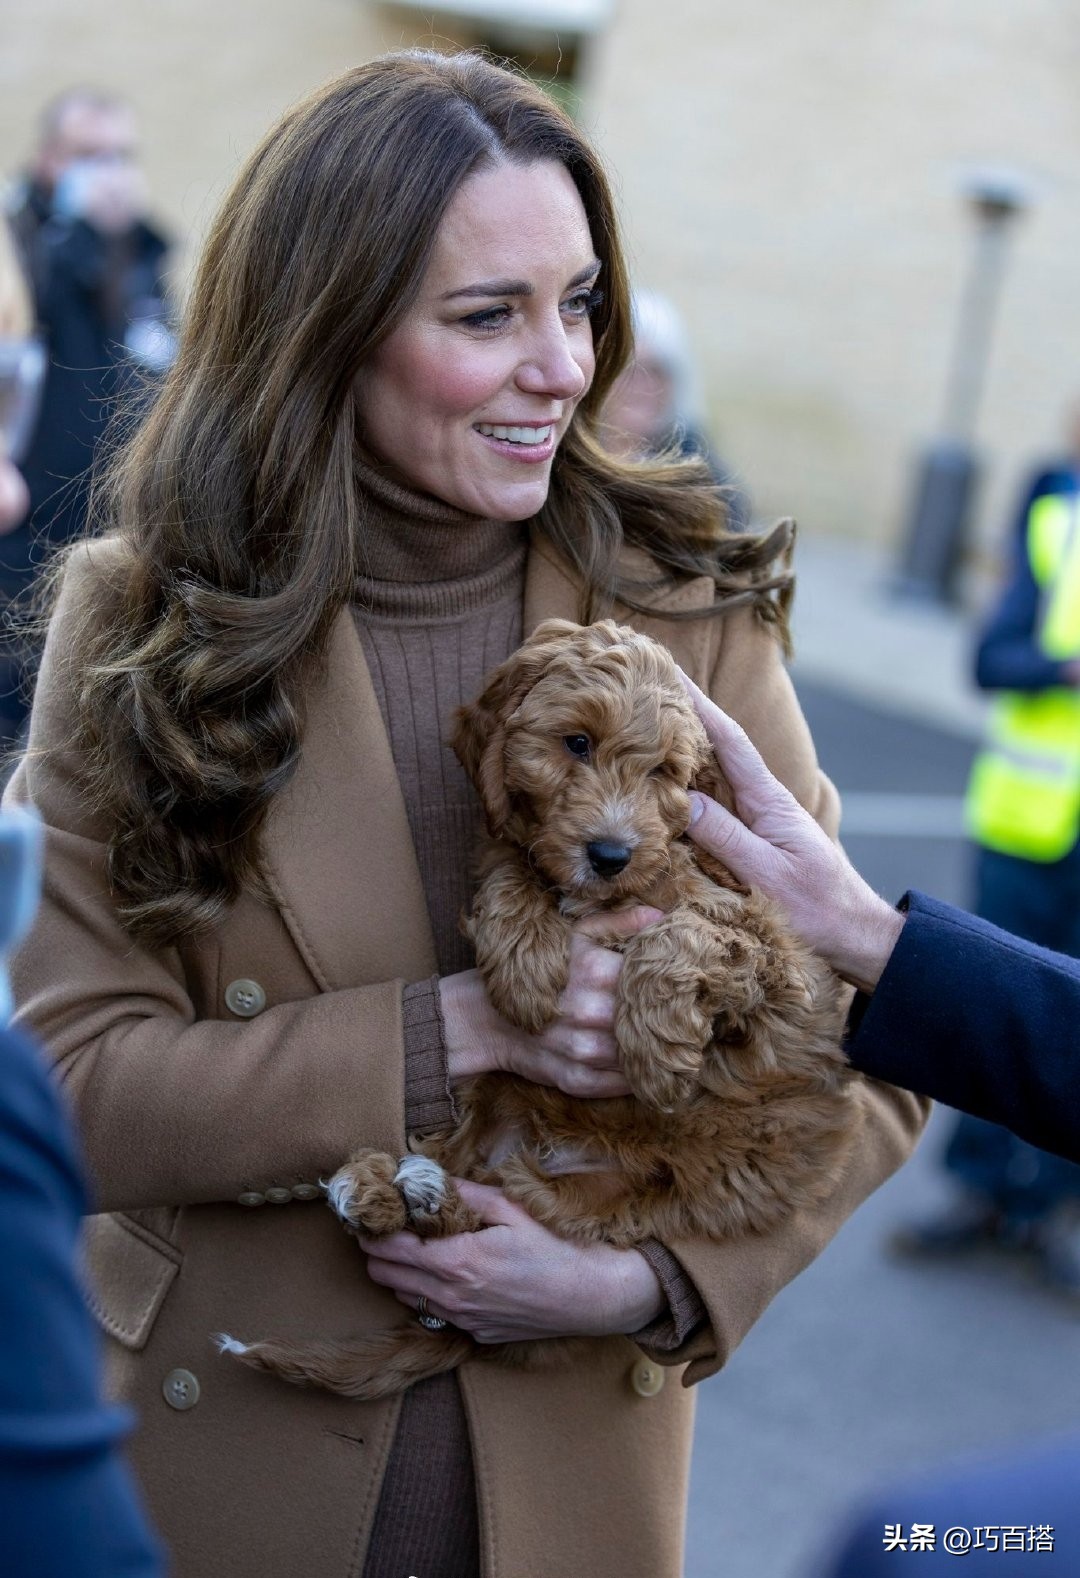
{"points": [[67, 1505], [654, 407], [371, 471], [95, 263], [1023, 810]]}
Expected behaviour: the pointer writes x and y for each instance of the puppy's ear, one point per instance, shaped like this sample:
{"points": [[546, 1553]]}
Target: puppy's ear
{"points": [[479, 731], [710, 780]]}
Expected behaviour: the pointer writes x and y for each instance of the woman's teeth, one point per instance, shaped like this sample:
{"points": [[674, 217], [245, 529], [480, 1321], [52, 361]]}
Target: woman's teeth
{"points": [[515, 435]]}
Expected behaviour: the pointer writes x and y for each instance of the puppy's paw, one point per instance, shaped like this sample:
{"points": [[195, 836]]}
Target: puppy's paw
{"points": [[662, 1072], [364, 1194], [424, 1187], [664, 1013], [522, 990]]}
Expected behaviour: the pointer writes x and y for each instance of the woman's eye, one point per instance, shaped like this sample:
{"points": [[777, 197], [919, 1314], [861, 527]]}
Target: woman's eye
{"points": [[584, 303], [488, 320], [577, 745]]}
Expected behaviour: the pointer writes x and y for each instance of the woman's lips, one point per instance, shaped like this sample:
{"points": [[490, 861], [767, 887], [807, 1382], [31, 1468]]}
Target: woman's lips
{"points": [[518, 442]]}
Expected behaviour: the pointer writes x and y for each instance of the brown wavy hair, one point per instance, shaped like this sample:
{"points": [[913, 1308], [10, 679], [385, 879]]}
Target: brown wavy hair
{"points": [[236, 503]]}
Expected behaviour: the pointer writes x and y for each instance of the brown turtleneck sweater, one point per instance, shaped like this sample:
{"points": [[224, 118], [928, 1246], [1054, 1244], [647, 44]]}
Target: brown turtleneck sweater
{"points": [[438, 604]]}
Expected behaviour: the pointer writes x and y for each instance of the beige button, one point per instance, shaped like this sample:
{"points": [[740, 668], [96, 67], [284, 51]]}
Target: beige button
{"points": [[647, 1378], [278, 1196], [251, 1197], [306, 1191], [180, 1390], [245, 998]]}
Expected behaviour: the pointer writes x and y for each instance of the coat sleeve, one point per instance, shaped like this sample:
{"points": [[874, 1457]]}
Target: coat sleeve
{"points": [[67, 1503], [175, 1108], [738, 1278], [978, 1019]]}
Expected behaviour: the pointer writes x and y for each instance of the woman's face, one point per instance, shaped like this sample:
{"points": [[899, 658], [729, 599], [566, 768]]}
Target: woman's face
{"points": [[470, 396]]}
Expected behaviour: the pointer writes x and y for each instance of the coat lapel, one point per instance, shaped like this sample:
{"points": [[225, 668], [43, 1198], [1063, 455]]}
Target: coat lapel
{"points": [[340, 857], [551, 592], [339, 854]]}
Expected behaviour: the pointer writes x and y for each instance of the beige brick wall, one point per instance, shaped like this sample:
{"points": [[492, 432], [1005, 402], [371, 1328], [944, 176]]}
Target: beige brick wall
{"points": [[207, 77], [786, 173]]}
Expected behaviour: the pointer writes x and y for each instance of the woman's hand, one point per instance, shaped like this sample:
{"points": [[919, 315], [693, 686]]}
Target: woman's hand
{"points": [[577, 1052], [515, 1280], [776, 846]]}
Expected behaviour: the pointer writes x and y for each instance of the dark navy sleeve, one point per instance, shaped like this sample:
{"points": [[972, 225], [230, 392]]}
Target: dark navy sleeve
{"points": [[1032, 1491], [980, 1020], [1008, 656], [68, 1508]]}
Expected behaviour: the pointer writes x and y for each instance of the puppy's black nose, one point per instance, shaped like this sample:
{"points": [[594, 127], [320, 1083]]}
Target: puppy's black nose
{"points": [[607, 860]]}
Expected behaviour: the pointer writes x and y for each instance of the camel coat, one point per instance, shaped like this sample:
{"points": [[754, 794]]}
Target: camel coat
{"points": [[216, 1083]]}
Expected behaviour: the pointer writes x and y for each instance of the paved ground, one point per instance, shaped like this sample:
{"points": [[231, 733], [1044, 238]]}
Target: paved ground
{"points": [[867, 1368]]}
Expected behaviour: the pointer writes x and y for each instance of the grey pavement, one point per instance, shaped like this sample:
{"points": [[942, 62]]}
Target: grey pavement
{"points": [[857, 637], [868, 1368]]}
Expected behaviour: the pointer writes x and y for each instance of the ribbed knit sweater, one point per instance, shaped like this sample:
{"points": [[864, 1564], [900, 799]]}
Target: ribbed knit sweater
{"points": [[438, 604]]}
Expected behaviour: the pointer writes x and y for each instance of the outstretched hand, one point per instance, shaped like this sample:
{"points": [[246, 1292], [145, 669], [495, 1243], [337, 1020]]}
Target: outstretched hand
{"points": [[774, 845]]}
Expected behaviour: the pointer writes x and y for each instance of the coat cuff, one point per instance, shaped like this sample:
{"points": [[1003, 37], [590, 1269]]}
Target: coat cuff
{"points": [[429, 1102], [686, 1308]]}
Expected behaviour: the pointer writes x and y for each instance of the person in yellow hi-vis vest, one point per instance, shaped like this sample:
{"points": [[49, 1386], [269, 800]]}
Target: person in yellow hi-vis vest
{"points": [[1023, 812]]}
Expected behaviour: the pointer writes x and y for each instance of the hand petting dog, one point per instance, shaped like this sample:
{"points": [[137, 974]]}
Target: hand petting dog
{"points": [[777, 847]]}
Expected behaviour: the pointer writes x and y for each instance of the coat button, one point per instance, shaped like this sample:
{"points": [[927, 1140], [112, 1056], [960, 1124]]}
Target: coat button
{"points": [[251, 1197], [180, 1390], [278, 1196], [245, 998], [647, 1378], [306, 1191]]}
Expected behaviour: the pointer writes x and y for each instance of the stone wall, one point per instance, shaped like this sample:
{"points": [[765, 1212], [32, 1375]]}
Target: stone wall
{"points": [[787, 173]]}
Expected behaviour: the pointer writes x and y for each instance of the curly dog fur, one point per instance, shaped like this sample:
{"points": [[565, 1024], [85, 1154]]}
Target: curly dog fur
{"points": [[583, 747]]}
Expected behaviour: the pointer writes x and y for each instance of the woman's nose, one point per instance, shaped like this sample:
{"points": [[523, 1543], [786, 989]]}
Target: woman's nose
{"points": [[553, 369]]}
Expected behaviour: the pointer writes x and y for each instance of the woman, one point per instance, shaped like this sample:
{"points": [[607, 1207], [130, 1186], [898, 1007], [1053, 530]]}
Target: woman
{"points": [[408, 312]]}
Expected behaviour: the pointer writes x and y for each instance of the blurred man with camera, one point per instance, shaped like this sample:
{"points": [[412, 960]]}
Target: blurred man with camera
{"points": [[95, 264]]}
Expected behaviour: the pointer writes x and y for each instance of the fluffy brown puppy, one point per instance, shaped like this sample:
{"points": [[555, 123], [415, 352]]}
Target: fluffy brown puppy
{"points": [[583, 747]]}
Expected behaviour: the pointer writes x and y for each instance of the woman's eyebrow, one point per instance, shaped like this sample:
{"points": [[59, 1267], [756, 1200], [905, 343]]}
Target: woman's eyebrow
{"points": [[518, 287]]}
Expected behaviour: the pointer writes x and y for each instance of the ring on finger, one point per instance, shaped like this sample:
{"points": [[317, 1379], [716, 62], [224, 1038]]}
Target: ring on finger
{"points": [[427, 1320]]}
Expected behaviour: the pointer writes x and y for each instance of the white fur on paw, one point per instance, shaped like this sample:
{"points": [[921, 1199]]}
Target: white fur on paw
{"points": [[339, 1194], [422, 1182], [227, 1344]]}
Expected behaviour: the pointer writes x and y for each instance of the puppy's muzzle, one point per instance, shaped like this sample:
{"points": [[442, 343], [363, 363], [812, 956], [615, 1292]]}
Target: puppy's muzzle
{"points": [[607, 860]]}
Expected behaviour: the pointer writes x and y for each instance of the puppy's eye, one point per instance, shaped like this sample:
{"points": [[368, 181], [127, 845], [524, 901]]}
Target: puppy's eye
{"points": [[578, 745]]}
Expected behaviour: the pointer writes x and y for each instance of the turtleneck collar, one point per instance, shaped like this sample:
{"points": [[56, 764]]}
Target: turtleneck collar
{"points": [[413, 538]]}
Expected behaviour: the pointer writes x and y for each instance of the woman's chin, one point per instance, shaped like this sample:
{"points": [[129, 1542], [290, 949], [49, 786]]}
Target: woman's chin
{"points": [[517, 502]]}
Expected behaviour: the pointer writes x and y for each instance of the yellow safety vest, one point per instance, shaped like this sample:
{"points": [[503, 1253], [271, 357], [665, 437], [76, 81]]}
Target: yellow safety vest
{"points": [[1024, 794]]}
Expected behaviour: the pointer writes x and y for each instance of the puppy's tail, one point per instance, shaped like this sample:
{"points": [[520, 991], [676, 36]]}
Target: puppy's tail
{"points": [[366, 1368]]}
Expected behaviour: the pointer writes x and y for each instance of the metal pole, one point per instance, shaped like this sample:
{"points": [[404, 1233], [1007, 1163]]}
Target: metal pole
{"points": [[947, 472]]}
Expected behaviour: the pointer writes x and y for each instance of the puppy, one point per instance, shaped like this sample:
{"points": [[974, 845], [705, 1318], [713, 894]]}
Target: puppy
{"points": [[583, 747]]}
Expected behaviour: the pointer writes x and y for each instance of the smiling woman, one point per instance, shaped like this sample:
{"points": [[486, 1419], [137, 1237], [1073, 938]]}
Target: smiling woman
{"points": [[470, 404], [371, 471]]}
